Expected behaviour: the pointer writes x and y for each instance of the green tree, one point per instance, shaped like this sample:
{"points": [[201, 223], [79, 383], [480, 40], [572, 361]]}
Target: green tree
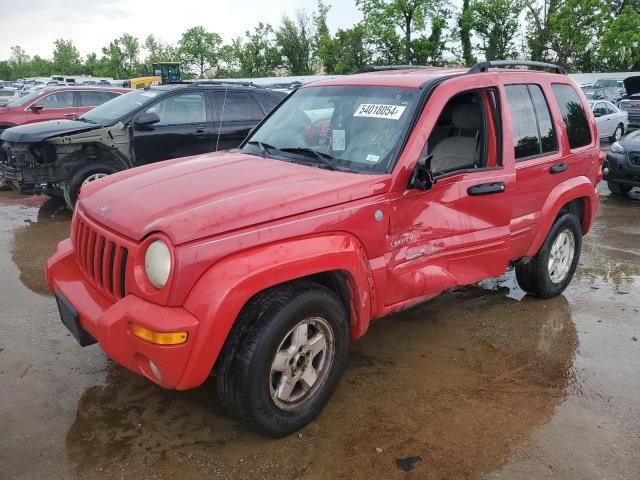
{"points": [[258, 54], [620, 46], [383, 17], [294, 39], [41, 67], [66, 58], [465, 25], [323, 44], [19, 62], [538, 29], [496, 23], [199, 50], [350, 51], [159, 51], [6, 72], [130, 50], [430, 50]]}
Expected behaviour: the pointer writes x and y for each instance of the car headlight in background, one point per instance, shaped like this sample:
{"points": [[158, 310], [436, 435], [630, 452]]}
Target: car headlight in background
{"points": [[617, 147], [157, 263]]}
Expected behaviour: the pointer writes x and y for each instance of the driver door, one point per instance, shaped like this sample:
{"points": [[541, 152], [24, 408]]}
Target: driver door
{"points": [[458, 232]]}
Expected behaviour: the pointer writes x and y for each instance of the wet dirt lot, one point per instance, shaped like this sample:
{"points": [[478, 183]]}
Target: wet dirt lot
{"points": [[480, 383]]}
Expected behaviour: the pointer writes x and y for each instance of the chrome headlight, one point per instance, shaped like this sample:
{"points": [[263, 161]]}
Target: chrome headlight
{"points": [[617, 147], [157, 263]]}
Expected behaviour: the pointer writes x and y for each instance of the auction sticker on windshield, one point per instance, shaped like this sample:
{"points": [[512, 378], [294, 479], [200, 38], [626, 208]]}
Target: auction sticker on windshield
{"points": [[376, 110]]}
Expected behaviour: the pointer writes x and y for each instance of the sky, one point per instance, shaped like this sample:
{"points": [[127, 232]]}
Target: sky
{"points": [[92, 24]]}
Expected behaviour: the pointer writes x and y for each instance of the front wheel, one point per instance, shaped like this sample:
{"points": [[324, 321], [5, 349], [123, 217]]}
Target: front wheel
{"points": [[619, 188], [617, 134], [550, 271], [277, 374], [85, 175]]}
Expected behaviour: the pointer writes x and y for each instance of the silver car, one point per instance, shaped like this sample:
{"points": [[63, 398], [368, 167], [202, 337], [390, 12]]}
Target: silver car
{"points": [[611, 121]]}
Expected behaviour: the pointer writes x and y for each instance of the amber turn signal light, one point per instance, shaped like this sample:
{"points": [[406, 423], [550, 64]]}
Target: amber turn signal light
{"points": [[159, 338]]}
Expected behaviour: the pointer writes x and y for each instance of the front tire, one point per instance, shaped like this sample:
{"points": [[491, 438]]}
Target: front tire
{"points": [[85, 175], [617, 134], [284, 358], [619, 188], [549, 273]]}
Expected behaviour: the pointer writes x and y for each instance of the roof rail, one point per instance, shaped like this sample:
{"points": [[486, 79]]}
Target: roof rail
{"points": [[484, 66], [382, 68], [225, 82]]}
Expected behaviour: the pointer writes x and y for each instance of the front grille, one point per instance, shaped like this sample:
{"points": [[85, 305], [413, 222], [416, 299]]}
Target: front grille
{"points": [[101, 259]]}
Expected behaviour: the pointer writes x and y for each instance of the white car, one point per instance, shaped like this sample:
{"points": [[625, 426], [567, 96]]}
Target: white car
{"points": [[8, 95], [611, 121]]}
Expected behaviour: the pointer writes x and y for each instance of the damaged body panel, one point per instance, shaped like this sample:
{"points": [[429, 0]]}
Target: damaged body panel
{"points": [[42, 163]]}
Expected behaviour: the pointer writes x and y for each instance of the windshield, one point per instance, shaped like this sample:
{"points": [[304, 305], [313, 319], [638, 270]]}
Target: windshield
{"points": [[342, 127], [606, 83], [110, 112], [18, 102]]}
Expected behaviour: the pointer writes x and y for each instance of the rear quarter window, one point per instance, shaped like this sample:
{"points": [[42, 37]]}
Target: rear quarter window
{"points": [[573, 115]]}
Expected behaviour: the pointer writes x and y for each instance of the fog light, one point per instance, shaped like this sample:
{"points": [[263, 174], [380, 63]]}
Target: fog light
{"points": [[606, 170], [159, 338]]}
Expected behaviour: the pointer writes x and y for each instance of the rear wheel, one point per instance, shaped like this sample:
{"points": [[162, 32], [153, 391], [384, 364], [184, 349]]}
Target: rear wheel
{"points": [[284, 358], [617, 134], [619, 188], [550, 271], [88, 174]]}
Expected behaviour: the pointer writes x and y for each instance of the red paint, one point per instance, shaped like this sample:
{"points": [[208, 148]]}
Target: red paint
{"points": [[13, 116], [239, 224]]}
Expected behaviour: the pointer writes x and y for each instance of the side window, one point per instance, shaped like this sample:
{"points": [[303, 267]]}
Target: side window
{"points": [[573, 115], [267, 102], [57, 100], [531, 124], [181, 109], [237, 107], [466, 135], [88, 98], [599, 110], [611, 109]]}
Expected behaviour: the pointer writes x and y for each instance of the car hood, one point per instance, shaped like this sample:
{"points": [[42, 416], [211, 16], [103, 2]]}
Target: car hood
{"points": [[632, 139], [196, 197], [37, 132], [632, 85]]}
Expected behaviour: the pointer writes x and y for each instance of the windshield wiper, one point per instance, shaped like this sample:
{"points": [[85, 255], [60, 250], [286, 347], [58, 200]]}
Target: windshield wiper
{"points": [[82, 119], [324, 158], [264, 147]]}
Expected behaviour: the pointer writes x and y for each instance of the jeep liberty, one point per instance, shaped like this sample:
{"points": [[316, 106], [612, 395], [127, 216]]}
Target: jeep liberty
{"points": [[358, 196]]}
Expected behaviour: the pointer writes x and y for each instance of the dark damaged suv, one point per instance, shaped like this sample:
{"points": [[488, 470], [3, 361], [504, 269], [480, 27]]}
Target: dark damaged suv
{"points": [[141, 127]]}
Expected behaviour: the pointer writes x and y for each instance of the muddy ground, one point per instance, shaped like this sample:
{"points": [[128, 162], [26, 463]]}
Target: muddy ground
{"points": [[480, 383]]}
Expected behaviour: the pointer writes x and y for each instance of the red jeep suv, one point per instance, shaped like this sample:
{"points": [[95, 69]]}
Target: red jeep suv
{"points": [[55, 103], [261, 264]]}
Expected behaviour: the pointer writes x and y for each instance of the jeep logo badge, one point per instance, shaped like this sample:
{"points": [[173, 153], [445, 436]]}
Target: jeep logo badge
{"points": [[105, 210]]}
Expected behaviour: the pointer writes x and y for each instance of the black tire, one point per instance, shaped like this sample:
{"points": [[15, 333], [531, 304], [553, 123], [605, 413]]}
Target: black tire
{"points": [[72, 188], [534, 277], [619, 188], [244, 374], [619, 128]]}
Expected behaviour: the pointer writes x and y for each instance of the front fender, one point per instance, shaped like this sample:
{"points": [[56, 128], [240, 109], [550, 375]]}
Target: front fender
{"points": [[563, 193], [221, 293]]}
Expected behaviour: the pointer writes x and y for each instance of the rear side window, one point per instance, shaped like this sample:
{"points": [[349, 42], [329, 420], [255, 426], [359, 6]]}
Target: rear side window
{"points": [[267, 102], [89, 98], [57, 100], [237, 107], [533, 133], [573, 115]]}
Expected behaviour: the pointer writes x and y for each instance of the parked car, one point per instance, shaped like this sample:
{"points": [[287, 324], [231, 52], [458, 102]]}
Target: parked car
{"points": [[609, 83], [7, 95], [261, 264], [622, 165], [144, 126], [611, 121], [631, 103], [612, 95], [54, 103]]}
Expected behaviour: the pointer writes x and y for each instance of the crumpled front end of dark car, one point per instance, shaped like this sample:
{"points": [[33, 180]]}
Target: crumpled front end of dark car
{"points": [[27, 167]]}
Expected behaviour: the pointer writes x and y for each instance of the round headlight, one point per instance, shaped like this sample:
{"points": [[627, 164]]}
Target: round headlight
{"points": [[157, 263], [617, 147]]}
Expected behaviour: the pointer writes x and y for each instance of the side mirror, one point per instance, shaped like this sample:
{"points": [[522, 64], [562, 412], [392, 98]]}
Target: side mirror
{"points": [[146, 119], [36, 107], [422, 177]]}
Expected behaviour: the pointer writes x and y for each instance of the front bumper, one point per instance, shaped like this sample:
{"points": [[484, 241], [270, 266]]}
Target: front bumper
{"points": [[623, 168], [110, 322]]}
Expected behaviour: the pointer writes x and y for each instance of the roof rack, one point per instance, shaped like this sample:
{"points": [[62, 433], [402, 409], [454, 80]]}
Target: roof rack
{"points": [[484, 66], [225, 82], [383, 68]]}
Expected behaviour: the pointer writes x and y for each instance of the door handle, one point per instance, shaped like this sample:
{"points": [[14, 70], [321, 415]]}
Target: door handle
{"points": [[486, 189], [68, 114], [558, 168]]}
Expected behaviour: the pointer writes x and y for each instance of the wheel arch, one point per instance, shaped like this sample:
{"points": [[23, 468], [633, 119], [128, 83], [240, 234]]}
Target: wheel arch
{"points": [[576, 195], [336, 261]]}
